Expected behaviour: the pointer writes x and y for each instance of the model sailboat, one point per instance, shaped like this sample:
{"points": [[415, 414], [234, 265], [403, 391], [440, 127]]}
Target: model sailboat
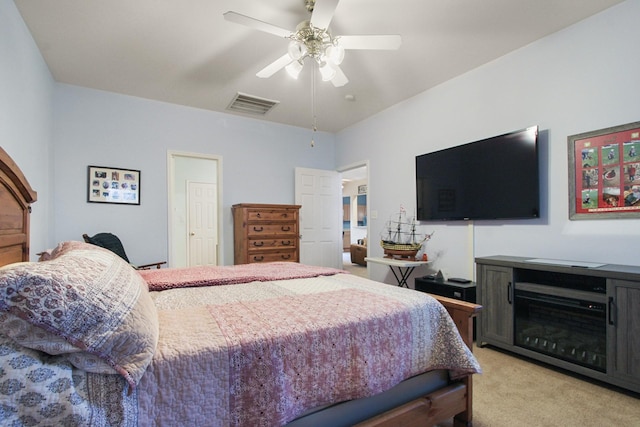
{"points": [[399, 238]]}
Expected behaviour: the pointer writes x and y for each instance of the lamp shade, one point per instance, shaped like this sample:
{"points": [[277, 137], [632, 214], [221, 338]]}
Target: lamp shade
{"points": [[294, 69], [335, 54], [327, 72], [296, 50]]}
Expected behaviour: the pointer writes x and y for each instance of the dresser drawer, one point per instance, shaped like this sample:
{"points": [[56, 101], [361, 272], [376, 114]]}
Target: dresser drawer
{"points": [[274, 215], [282, 255], [286, 229], [283, 242]]}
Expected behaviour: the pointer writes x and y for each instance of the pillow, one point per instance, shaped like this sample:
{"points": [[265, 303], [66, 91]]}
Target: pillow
{"points": [[36, 338], [45, 255], [85, 304]]}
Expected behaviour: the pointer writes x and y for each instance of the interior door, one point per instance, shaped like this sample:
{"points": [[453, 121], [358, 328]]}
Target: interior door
{"points": [[319, 192], [203, 223]]}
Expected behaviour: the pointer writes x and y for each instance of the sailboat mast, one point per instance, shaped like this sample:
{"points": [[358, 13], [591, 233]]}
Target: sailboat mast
{"points": [[413, 230]]}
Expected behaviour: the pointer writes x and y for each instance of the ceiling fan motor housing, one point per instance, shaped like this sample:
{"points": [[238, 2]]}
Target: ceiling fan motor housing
{"points": [[310, 39]]}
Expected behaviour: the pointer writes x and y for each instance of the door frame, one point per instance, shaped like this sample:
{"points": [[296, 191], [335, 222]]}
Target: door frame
{"points": [[172, 155]]}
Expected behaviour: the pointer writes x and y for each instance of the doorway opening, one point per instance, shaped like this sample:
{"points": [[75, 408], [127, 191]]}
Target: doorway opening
{"points": [[195, 209], [355, 217]]}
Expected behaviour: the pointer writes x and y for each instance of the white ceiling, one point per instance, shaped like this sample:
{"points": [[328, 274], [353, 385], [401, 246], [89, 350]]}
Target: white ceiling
{"points": [[184, 52]]}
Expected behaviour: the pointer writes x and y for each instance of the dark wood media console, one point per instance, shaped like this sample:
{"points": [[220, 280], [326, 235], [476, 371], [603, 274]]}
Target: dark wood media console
{"points": [[583, 317]]}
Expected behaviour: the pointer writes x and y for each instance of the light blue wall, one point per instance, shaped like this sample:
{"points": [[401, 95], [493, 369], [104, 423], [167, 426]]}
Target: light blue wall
{"points": [[26, 92], [581, 79], [54, 131], [93, 127]]}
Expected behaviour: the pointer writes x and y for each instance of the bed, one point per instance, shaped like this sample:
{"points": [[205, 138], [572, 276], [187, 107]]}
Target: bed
{"points": [[88, 340]]}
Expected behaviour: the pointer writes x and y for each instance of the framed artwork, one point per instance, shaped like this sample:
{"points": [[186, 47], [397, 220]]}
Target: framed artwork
{"points": [[362, 189], [604, 173], [113, 185]]}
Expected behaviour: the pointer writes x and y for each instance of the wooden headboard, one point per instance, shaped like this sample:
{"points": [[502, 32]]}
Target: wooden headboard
{"points": [[16, 196]]}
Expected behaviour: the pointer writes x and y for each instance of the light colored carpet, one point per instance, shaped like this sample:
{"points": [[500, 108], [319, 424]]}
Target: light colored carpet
{"points": [[355, 269], [514, 391]]}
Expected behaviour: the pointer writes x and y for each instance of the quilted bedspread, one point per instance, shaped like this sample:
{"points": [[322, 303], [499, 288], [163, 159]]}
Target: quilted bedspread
{"points": [[260, 353], [171, 278], [263, 353]]}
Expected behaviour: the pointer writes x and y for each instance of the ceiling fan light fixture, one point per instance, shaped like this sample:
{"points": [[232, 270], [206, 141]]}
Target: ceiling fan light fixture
{"points": [[335, 53], [294, 69], [327, 72], [312, 39], [297, 50]]}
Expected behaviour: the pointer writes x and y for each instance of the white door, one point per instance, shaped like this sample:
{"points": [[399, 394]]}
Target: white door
{"points": [[319, 192], [203, 223]]}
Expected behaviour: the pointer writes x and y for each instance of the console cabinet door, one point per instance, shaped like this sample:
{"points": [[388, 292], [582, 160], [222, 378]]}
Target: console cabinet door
{"points": [[495, 291], [623, 326]]}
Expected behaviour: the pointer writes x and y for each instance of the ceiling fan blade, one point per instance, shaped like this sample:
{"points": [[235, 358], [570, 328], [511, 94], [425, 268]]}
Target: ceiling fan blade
{"points": [[323, 13], [377, 42], [275, 66], [256, 24], [340, 79]]}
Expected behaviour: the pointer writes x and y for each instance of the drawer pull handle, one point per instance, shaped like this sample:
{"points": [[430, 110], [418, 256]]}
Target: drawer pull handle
{"points": [[286, 228], [287, 256], [258, 244], [259, 215], [613, 314], [258, 229], [287, 243], [258, 258]]}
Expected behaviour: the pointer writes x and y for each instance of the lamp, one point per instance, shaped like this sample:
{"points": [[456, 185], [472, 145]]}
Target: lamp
{"points": [[317, 43]]}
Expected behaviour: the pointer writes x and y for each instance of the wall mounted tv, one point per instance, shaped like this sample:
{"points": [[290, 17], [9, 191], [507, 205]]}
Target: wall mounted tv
{"points": [[494, 178]]}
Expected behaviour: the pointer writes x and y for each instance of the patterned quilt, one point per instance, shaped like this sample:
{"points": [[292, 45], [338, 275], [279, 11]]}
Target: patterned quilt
{"points": [[171, 278], [41, 390], [259, 353], [266, 352]]}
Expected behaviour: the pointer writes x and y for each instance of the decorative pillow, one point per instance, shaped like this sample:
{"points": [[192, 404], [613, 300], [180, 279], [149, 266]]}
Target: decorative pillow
{"points": [[36, 338], [87, 304], [45, 255]]}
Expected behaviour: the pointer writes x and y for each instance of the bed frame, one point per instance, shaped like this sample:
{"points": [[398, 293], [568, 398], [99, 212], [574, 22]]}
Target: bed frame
{"points": [[16, 196], [454, 400]]}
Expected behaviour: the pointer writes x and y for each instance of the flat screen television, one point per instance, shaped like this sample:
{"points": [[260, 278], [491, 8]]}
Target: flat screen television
{"points": [[494, 178]]}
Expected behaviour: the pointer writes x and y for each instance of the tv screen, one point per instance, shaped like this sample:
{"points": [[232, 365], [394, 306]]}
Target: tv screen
{"points": [[494, 178]]}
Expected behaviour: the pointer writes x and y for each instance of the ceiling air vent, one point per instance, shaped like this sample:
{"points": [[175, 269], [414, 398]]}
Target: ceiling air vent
{"points": [[244, 103]]}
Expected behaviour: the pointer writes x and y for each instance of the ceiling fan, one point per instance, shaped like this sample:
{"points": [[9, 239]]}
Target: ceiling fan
{"points": [[312, 39]]}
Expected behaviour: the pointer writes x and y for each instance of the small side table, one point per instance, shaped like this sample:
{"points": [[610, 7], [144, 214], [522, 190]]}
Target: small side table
{"points": [[404, 267]]}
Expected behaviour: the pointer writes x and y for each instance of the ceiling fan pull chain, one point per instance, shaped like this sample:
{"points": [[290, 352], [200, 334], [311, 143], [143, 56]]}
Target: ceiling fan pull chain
{"points": [[313, 106]]}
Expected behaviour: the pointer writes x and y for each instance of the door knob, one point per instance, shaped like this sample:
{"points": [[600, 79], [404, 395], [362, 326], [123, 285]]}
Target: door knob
{"points": [[192, 234]]}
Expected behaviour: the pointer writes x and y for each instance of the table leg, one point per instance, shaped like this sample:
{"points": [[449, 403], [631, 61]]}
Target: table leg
{"points": [[404, 275]]}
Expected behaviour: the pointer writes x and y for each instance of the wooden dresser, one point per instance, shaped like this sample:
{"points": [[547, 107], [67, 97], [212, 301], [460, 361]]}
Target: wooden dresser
{"points": [[265, 233]]}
